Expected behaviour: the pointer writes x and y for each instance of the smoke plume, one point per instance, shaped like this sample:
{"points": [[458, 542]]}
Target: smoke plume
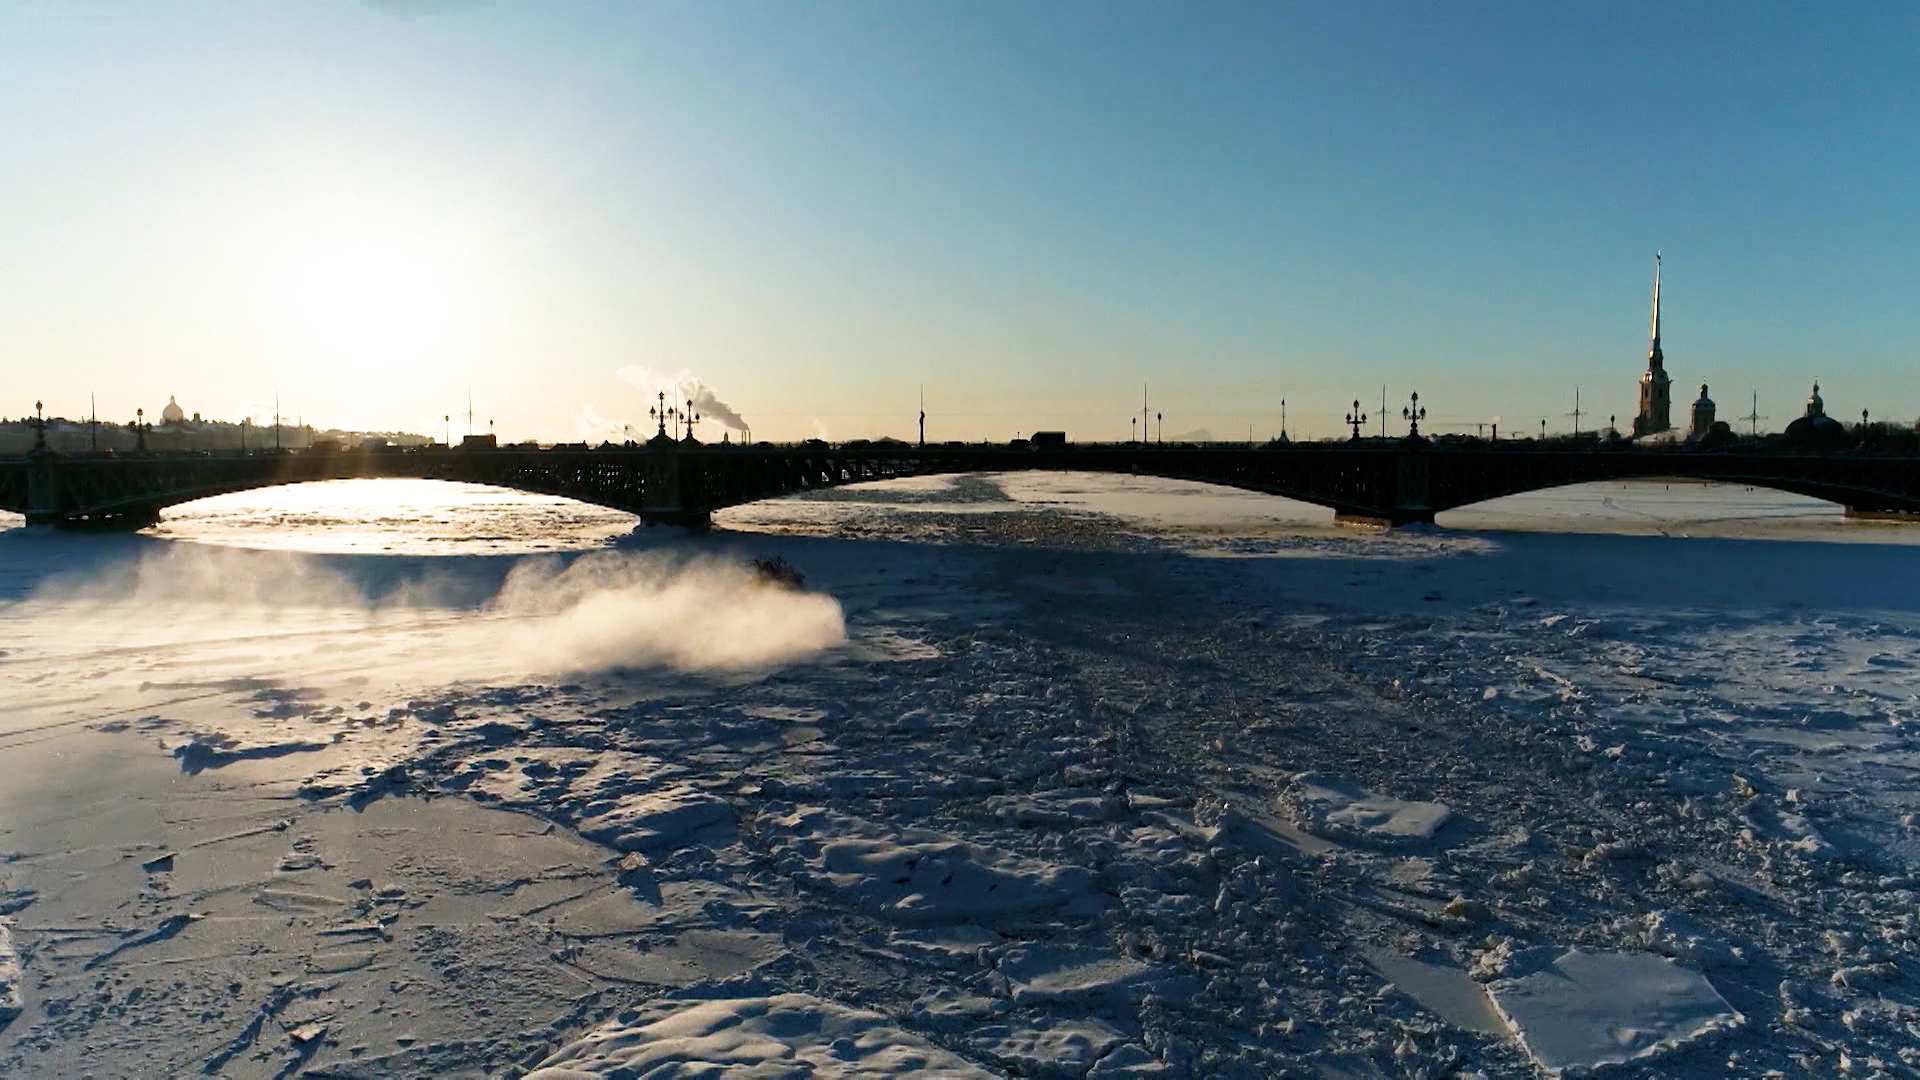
{"points": [[682, 388]]}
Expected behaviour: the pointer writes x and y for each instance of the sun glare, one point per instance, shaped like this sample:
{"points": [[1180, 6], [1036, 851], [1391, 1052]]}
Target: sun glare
{"points": [[371, 302]]}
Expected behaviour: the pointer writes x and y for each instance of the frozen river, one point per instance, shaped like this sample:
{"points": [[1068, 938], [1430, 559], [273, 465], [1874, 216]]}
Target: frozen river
{"points": [[1041, 775]]}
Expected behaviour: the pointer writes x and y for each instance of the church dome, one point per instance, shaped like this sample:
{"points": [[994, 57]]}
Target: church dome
{"points": [[1816, 430], [1704, 399], [173, 413]]}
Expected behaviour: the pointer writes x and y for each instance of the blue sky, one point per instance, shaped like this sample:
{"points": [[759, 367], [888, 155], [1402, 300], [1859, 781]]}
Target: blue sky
{"points": [[1028, 208]]}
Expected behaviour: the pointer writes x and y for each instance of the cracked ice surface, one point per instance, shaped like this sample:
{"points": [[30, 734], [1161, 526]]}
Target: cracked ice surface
{"points": [[1048, 776]]}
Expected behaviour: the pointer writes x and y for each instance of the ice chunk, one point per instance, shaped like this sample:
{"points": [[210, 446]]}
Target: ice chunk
{"points": [[657, 821], [1042, 973], [1343, 809], [946, 881], [1679, 935], [1054, 1047], [785, 1035], [926, 877], [1588, 1009], [1064, 809], [1127, 1059]]}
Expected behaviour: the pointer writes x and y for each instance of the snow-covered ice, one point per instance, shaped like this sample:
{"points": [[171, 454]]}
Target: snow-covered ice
{"points": [[1039, 775], [1342, 809], [1588, 1009], [782, 1035]]}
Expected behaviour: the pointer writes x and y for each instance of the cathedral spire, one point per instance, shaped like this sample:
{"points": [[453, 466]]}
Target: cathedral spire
{"points": [[1653, 349], [1655, 385]]}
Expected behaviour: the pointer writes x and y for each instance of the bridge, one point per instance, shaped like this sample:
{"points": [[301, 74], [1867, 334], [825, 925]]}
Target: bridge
{"points": [[1370, 481]]}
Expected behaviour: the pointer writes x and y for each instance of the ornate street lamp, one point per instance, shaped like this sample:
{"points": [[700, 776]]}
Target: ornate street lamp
{"points": [[139, 429], [1160, 428], [39, 430], [1355, 418], [1413, 413], [692, 418]]}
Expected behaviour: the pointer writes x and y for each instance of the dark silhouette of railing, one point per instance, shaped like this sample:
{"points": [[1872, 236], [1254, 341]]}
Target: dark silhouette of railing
{"points": [[1382, 482]]}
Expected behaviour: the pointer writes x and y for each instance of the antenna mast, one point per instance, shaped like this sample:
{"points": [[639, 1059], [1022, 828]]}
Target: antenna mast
{"points": [[1753, 418], [1577, 412]]}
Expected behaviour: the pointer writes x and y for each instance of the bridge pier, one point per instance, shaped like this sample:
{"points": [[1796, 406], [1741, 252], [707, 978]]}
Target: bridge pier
{"points": [[132, 519], [674, 492], [1384, 519], [694, 520], [1859, 513], [1399, 485], [43, 490]]}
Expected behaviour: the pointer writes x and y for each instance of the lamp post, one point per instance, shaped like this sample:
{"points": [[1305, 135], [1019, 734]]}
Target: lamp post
{"points": [[1160, 428], [1355, 418], [39, 430], [692, 418], [1613, 426], [1133, 429], [140, 429], [1413, 413]]}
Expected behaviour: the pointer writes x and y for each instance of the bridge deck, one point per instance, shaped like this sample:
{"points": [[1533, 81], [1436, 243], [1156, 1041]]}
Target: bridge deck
{"points": [[1379, 481]]}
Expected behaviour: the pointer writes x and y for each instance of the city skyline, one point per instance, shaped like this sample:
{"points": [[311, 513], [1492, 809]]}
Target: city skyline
{"points": [[1028, 212]]}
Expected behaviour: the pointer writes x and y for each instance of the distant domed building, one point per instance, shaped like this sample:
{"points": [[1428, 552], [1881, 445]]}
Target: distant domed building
{"points": [[1816, 430], [173, 413], [1702, 416]]}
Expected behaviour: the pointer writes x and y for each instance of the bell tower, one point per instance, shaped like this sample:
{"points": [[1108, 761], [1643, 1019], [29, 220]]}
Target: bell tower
{"points": [[1656, 389]]}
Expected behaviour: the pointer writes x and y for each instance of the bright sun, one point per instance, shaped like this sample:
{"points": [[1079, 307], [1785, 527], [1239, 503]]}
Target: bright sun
{"points": [[368, 302]]}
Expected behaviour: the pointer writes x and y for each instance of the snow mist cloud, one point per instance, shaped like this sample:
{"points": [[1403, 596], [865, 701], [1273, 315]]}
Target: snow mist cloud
{"points": [[680, 389], [208, 615]]}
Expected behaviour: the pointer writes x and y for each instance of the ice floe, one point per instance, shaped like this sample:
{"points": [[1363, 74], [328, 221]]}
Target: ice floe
{"points": [[1341, 809], [1587, 1009]]}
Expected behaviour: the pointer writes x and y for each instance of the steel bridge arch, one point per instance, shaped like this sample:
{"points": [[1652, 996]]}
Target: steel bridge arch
{"points": [[1380, 482]]}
